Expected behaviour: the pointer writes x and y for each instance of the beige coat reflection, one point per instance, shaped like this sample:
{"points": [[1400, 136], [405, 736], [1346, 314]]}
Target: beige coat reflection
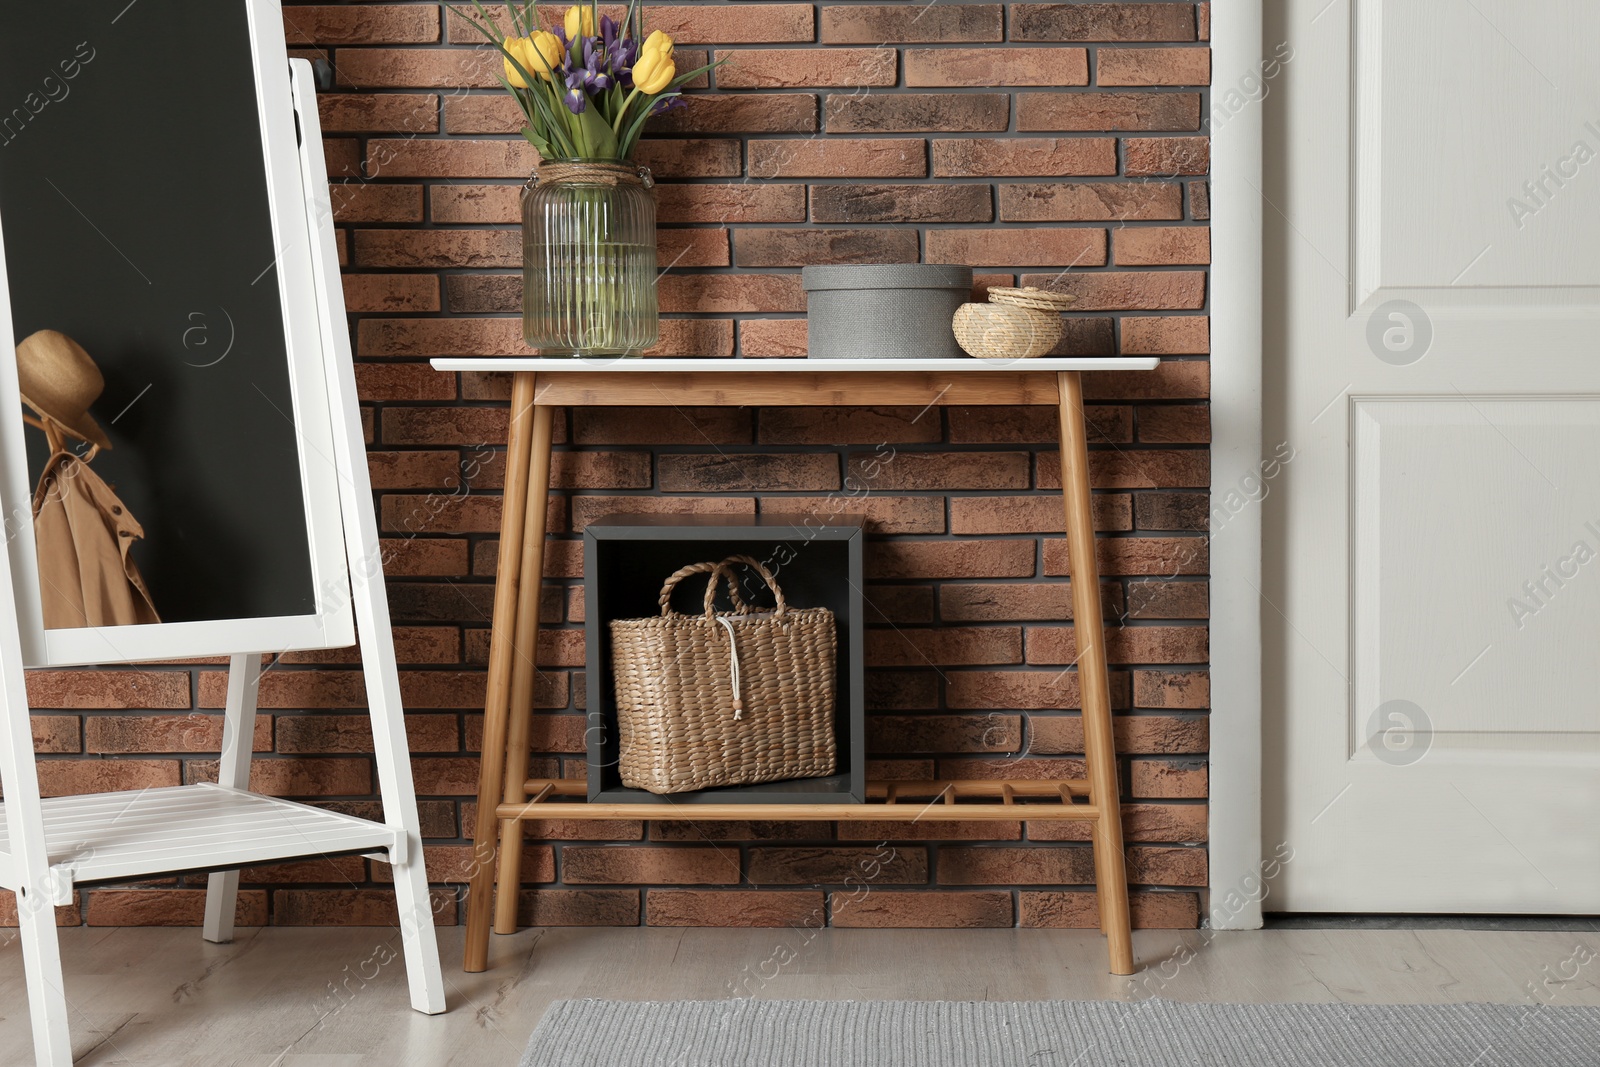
{"points": [[83, 532]]}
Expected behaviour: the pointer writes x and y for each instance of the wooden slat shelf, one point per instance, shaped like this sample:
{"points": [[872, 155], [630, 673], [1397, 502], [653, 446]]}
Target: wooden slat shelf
{"points": [[1056, 799]]}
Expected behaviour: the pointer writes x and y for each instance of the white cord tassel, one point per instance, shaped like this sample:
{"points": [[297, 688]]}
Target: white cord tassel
{"points": [[733, 655]]}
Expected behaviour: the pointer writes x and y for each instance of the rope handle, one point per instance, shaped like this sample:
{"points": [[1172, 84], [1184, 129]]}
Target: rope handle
{"points": [[725, 569], [733, 667], [701, 568]]}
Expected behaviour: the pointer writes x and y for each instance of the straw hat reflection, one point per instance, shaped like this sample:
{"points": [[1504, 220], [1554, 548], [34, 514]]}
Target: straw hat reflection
{"points": [[60, 381]]}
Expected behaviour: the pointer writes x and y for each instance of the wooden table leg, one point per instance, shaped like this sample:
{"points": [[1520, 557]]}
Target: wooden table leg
{"points": [[502, 632], [1094, 685], [508, 882]]}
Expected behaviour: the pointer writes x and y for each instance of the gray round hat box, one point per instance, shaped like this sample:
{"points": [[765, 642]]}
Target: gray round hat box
{"points": [[883, 311]]}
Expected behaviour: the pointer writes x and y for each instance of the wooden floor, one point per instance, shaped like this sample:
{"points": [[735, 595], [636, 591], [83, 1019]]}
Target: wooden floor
{"points": [[336, 998]]}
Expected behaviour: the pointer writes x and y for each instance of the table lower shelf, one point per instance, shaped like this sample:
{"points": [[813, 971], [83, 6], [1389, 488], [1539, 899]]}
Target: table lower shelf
{"points": [[117, 836], [1060, 799]]}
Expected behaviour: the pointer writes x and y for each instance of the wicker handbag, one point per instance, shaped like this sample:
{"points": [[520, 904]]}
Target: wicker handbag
{"points": [[724, 698]]}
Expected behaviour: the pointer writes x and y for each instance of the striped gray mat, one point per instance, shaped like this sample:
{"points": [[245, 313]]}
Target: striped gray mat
{"points": [[1147, 1033]]}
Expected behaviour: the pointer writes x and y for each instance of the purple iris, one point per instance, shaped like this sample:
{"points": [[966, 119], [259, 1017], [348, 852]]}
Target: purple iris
{"points": [[575, 98], [621, 53], [569, 50], [608, 31], [595, 78], [667, 103]]}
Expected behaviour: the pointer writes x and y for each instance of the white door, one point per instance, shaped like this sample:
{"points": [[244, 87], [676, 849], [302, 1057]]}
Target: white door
{"points": [[1431, 596]]}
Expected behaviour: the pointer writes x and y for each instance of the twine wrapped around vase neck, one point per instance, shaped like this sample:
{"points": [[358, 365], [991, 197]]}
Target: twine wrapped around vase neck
{"points": [[592, 173]]}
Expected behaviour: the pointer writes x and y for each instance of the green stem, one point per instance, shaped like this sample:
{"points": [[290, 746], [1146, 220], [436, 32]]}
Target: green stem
{"points": [[616, 125]]}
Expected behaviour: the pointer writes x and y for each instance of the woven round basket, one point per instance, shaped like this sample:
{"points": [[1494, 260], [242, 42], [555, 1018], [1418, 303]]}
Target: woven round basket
{"points": [[1004, 331], [724, 698], [1031, 297]]}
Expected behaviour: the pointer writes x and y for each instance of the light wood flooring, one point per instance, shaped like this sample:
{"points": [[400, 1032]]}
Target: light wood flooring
{"points": [[336, 998]]}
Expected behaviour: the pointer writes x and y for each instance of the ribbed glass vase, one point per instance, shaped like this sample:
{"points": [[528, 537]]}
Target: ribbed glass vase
{"points": [[589, 259]]}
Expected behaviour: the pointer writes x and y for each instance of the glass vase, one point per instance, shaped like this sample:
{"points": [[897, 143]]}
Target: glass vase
{"points": [[589, 259]]}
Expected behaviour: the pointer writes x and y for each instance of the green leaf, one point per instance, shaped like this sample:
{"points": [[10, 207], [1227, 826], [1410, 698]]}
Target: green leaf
{"points": [[539, 143], [621, 111], [487, 27], [519, 20], [693, 74], [527, 107], [631, 138], [550, 112], [602, 143]]}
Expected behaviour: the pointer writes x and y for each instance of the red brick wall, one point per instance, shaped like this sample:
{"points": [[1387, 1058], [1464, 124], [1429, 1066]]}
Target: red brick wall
{"points": [[1020, 138]]}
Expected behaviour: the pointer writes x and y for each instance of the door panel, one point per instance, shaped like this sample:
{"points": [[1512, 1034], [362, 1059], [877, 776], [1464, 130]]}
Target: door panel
{"points": [[1453, 498], [1431, 569], [1477, 146]]}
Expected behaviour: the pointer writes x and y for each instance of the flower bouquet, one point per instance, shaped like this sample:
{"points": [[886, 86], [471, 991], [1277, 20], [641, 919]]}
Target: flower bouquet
{"points": [[585, 89]]}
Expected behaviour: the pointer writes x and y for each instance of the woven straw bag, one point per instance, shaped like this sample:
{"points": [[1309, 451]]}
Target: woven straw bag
{"points": [[724, 698]]}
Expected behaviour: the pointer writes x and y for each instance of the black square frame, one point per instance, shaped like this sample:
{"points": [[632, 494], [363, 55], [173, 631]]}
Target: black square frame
{"points": [[626, 558]]}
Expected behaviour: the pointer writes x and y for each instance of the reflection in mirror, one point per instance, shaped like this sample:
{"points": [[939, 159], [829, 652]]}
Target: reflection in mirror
{"points": [[147, 306]]}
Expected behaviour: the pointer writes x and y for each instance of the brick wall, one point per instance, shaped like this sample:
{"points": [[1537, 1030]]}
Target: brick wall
{"points": [[1050, 144]]}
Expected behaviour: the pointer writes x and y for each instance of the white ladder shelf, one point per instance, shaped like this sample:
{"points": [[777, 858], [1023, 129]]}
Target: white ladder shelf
{"points": [[104, 837]]}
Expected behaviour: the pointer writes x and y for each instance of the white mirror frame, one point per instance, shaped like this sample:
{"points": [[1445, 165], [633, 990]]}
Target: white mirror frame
{"points": [[331, 626]]}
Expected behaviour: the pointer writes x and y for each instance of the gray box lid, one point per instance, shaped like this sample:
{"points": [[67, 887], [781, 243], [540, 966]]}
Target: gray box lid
{"points": [[886, 276]]}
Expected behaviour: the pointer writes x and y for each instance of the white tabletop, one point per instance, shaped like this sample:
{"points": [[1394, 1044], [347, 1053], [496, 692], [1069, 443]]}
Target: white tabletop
{"points": [[943, 366]]}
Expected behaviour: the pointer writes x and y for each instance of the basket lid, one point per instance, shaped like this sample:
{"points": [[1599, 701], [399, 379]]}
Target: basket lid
{"points": [[1030, 297], [886, 276]]}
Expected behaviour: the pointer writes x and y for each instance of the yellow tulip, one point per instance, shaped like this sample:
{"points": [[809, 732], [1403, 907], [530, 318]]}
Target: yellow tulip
{"points": [[551, 54], [653, 72], [580, 22], [520, 49], [539, 55], [656, 42]]}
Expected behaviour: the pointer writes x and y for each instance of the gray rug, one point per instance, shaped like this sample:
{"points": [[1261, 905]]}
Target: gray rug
{"points": [[1147, 1033]]}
